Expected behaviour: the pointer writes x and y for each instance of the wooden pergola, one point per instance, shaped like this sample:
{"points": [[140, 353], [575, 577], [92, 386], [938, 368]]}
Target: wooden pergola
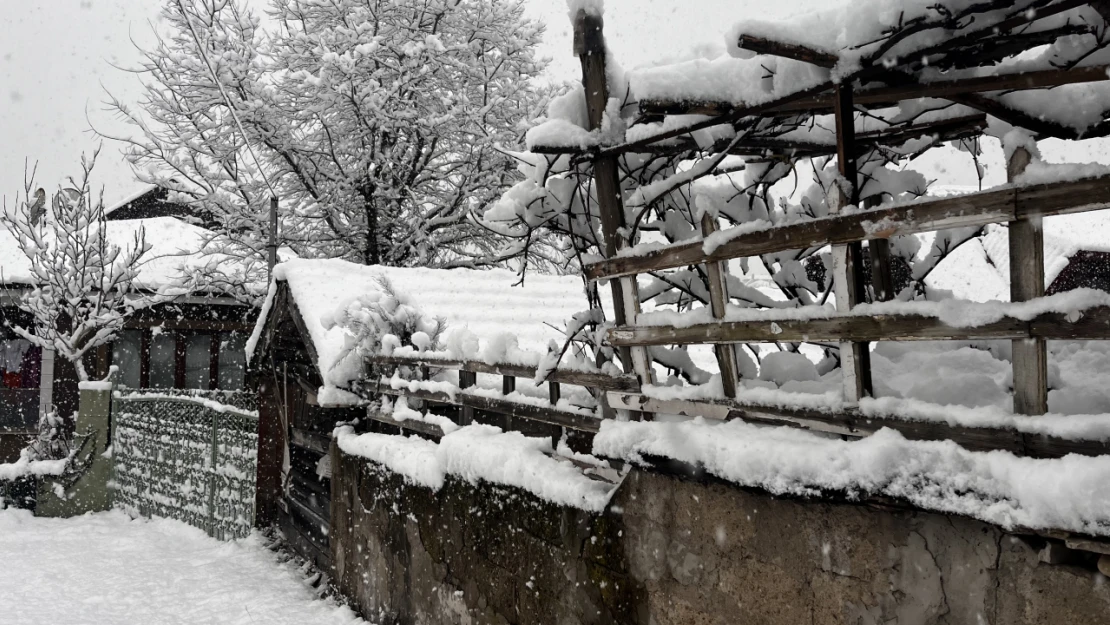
{"points": [[959, 61]]}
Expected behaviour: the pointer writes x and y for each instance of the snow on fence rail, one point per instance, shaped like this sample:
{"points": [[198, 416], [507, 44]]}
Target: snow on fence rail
{"points": [[187, 458]]}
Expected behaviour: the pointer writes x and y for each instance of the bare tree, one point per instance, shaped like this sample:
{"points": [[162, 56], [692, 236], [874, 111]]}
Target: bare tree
{"points": [[81, 283]]}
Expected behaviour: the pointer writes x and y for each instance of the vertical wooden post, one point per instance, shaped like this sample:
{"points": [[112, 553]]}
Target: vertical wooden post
{"points": [[718, 298], [553, 392], [466, 380], [589, 47], [1030, 356], [882, 282], [271, 246], [855, 358], [508, 386]]}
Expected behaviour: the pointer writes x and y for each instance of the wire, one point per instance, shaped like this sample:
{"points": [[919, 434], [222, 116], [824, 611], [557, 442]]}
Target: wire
{"points": [[227, 99]]}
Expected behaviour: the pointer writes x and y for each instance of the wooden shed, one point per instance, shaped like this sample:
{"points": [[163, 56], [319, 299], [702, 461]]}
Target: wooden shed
{"points": [[308, 377]]}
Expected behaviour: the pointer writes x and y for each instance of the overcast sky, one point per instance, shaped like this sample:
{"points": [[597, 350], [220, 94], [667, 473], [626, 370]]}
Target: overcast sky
{"points": [[57, 58]]}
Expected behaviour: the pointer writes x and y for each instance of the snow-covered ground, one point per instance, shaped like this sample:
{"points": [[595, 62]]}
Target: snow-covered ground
{"points": [[107, 569]]}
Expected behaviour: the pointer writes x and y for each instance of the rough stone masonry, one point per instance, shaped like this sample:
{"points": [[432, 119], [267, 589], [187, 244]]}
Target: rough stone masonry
{"points": [[674, 551]]}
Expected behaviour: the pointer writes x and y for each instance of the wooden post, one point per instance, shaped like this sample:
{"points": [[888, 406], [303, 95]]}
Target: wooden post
{"points": [[589, 47], [718, 298], [466, 380], [1030, 356], [855, 358], [508, 387], [553, 392], [882, 282], [272, 246]]}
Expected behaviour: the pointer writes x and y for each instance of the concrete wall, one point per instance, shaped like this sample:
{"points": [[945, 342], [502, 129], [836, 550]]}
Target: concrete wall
{"points": [[681, 552]]}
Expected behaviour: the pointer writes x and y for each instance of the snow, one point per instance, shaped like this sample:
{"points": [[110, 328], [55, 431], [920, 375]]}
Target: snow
{"points": [[481, 453], [26, 467], [92, 385], [1070, 493], [111, 570], [484, 303]]}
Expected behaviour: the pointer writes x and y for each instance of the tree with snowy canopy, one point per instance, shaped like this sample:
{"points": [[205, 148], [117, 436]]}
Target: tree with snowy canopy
{"points": [[82, 284], [377, 123]]}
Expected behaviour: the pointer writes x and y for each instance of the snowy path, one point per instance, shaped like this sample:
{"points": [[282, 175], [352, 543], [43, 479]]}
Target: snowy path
{"points": [[107, 569]]}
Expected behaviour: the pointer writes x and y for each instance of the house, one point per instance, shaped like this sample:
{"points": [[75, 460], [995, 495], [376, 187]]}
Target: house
{"points": [[1076, 255], [191, 341], [305, 368]]}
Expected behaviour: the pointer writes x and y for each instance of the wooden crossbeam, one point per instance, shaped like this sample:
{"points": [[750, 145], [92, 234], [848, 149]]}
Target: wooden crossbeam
{"points": [[792, 51], [975, 209], [600, 381], [885, 96], [553, 416], [1093, 325], [851, 423]]}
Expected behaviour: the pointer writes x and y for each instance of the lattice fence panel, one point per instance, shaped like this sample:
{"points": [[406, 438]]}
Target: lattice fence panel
{"points": [[188, 459]]}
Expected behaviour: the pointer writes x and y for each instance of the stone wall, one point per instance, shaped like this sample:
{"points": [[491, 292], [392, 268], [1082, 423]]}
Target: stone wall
{"points": [[673, 551]]}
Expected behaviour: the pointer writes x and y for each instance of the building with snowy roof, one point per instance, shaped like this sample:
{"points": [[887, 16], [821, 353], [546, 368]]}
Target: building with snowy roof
{"points": [[192, 340], [309, 365], [1076, 255]]}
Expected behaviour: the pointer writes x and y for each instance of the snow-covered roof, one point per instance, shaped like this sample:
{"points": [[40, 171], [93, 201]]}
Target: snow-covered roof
{"points": [[484, 302], [174, 248], [980, 269]]}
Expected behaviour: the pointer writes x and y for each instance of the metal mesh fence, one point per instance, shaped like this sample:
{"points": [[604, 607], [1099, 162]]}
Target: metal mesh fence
{"points": [[186, 458]]}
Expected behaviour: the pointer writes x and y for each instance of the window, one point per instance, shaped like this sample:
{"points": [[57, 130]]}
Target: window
{"points": [[163, 359], [233, 361], [198, 361], [127, 356]]}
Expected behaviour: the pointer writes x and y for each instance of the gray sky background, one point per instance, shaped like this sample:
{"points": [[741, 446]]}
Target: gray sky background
{"points": [[57, 57]]}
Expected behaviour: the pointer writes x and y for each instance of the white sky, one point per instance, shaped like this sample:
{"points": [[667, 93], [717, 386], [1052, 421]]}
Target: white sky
{"points": [[57, 57]]}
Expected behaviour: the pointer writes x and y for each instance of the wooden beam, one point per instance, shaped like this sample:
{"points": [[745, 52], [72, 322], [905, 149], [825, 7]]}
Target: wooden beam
{"points": [[852, 423], [467, 379], [855, 357], [589, 46], [602, 381], [889, 95], [543, 414], [415, 425], [975, 209], [718, 303], [1030, 355], [791, 51], [1093, 325]]}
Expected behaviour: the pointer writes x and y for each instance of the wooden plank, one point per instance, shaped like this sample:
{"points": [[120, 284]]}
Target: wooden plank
{"points": [[1094, 324], [589, 46], [508, 385], [563, 376], [311, 440], [718, 301], [888, 95], [974, 209], [467, 379], [1030, 355], [847, 272], [851, 423], [423, 427], [792, 51], [554, 416]]}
